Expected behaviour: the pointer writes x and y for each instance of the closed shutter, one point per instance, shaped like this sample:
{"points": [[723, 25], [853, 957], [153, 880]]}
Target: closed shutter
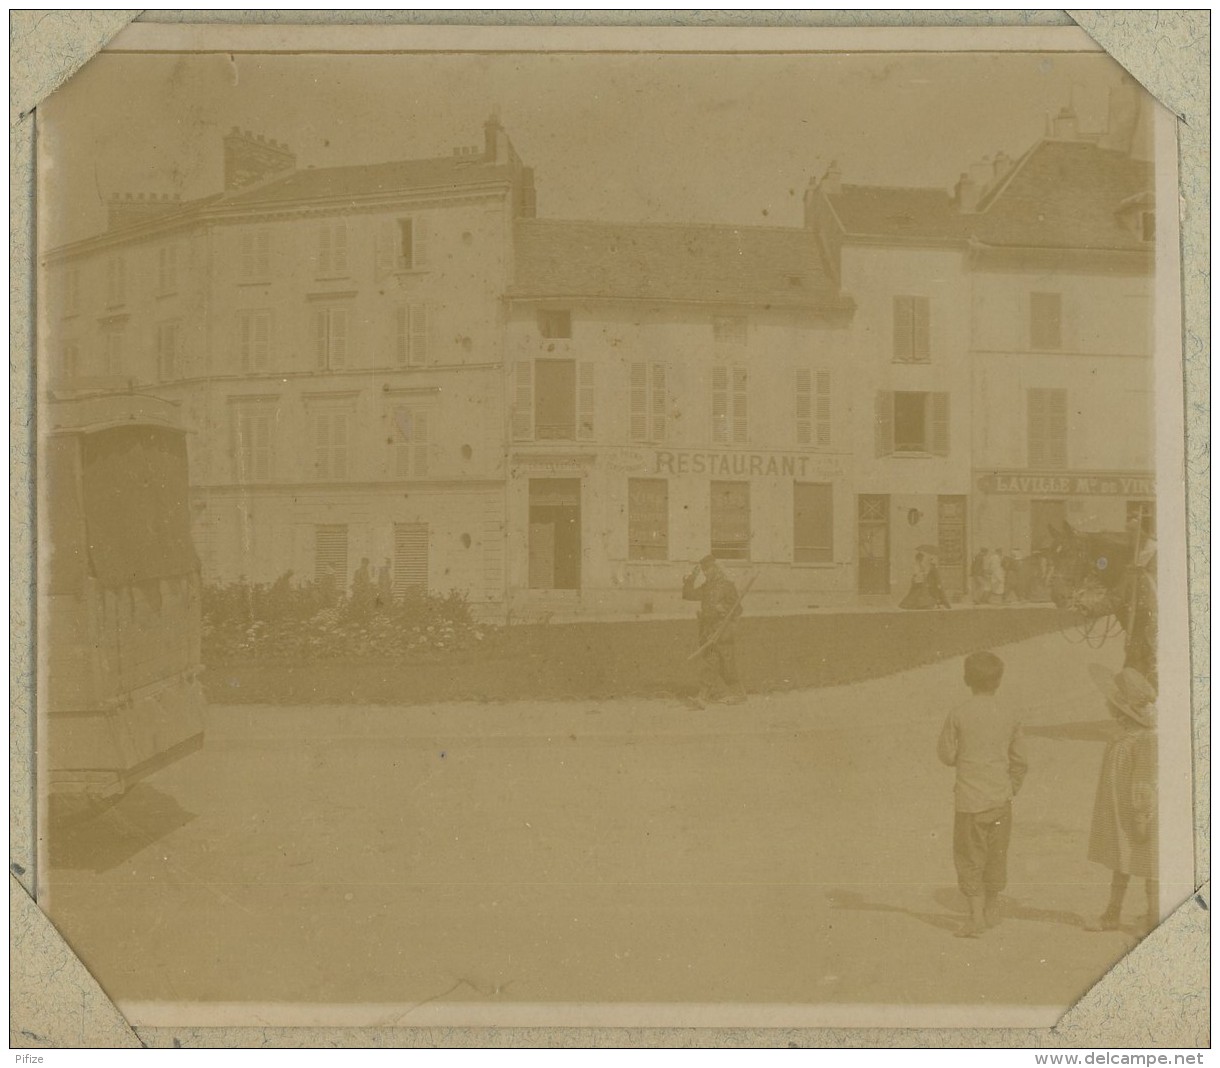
{"points": [[330, 555], [720, 404], [883, 422], [410, 557], [660, 402], [261, 340], [1056, 428], [921, 343], [324, 249], [419, 242], [822, 409], [741, 428], [584, 400], [402, 333], [340, 428], [263, 259], [940, 424], [523, 401], [904, 328], [1036, 426], [317, 328], [248, 257], [419, 334], [339, 249], [639, 402], [338, 337], [321, 444], [804, 406]]}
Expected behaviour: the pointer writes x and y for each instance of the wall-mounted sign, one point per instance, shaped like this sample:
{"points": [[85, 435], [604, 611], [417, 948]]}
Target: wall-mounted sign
{"points": [[1067, 484], [745, 464]]}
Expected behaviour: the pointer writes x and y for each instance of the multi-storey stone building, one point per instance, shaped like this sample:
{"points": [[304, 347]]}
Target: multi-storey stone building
{"points": [[401, 363]]}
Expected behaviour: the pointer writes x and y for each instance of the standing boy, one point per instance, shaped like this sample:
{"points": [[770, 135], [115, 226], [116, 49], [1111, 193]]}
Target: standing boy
{"points": [[719, 606], [983, 741]]}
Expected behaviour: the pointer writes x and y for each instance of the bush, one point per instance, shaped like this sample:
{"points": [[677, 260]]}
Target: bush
{"points": [[285, 620]]}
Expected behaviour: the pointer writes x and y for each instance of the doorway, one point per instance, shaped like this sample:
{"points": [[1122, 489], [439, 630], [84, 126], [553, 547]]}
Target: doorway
{"points": [[873, 542], [554, 538], [951, 541]]}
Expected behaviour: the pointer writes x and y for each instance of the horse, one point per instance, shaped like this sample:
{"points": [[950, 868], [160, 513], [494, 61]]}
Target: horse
{"points": [[1098, 577]]}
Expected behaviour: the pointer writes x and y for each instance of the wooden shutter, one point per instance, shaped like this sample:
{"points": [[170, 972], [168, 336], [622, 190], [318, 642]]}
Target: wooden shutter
{"points": [[523, 400], [419, 444], [584, 400], [660, 402], [418, 345], [340, 424], [419, 242], [330, 554], [410, 556], [402, 315], [921, 343], [324, 249], [904, 328], [261, 340], [639, 402], [247, 254], [940, 424], [318, 328], [338, 337], [883, 422], [1056, 427], [339, 248], [822, 407], [804, 406], [321, 444], [720, 404], [740, 407], [1036, 426], [264, 254]]}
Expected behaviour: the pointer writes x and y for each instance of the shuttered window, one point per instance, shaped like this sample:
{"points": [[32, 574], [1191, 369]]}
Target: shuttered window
{"points": [[332, 249], [410, 557], [812, 523], [1045, 321], [412, 330], [253, 429], [330, 555], [912, 330], [330, 435], [410, 439], [730, 388], [253, 340], [1047, 419], [649, 401], [911, 423], [329, 330], [254, 264], [730, 508], [523, 400], [412, 243], [812, 406], [647, 519]]}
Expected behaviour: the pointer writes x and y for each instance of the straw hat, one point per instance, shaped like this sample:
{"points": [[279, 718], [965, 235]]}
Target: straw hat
{"points": [[1128, 691]]}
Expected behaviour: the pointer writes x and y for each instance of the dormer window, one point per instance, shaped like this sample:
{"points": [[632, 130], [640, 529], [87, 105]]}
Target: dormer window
{"points": [[555, 325]]}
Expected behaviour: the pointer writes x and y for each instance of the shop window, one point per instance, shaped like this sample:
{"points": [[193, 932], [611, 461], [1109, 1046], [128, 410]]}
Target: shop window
{"points": [[912, 423], [330, 556], [1045, 321], [1047, 427], [912, 331], [730, 508], [647, 519], [812, 406], [730, 415], [254, 263], [812, 523], [253, 340], [649, 402], [555, 325], [412, 331]]}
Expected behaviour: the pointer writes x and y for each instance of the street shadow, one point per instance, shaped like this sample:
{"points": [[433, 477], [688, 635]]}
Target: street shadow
{"points": [[952, 900], [1097, 730], [101, 840]]}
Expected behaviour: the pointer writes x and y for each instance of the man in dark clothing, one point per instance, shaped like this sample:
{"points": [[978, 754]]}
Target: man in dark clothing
{"points": [[718, 603]]}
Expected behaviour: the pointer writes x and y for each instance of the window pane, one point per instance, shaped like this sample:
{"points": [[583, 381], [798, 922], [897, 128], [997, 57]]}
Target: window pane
{"points": [[730, 534], [813, 523], [555, 398], [910, 422], [647, 519]]}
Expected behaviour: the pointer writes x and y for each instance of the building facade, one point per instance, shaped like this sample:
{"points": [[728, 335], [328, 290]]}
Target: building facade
{"points": [[401, 366]]}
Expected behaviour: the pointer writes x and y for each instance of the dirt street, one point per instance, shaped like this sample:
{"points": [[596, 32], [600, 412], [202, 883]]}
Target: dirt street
{"points": [[794, 850]]}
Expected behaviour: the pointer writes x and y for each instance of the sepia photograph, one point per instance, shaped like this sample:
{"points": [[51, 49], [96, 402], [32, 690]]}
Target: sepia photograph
{"points": [[633, 537]]}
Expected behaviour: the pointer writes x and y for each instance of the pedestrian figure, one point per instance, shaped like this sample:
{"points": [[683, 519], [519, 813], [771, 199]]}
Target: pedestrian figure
{"points": [[978, 577], [385, 585], [995, 577], [935, 590], [362, 586], [719, 607], [982, 739], [918, 596], [1124, 836]]}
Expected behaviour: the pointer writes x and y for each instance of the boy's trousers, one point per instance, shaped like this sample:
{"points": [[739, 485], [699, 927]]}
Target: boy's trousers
{"points": [[980, 849]]}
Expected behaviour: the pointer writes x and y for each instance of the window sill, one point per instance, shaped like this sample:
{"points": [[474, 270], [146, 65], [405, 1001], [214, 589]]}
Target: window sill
{"points": [[254, 282], [909, 360], [912, 455]]}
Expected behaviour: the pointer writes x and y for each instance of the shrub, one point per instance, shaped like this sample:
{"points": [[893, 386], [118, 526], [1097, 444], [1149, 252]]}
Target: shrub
{"points": [[285, 620]]}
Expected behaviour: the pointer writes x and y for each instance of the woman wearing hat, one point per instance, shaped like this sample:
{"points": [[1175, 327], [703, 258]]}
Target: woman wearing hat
{"points": [[1124, 832]]}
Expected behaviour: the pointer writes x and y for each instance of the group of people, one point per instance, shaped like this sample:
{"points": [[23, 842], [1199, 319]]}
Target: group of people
{"points": [[926, 590], [982, 740], [1000, 577]]}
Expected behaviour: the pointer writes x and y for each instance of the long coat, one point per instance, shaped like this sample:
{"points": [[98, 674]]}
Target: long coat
{"points": [[1124, 832]]}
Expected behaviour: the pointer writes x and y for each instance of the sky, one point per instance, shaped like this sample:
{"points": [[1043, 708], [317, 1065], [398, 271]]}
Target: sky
{"points": [[625, 137]]}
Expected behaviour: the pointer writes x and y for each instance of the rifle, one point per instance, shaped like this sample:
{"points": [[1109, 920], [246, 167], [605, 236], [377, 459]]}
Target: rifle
{"points": [[729, 618]]}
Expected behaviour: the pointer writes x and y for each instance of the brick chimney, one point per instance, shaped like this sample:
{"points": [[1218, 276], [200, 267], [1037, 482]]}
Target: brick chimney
{"points": [[967, 192], [497, 148], [127, 209], [250, 158]]}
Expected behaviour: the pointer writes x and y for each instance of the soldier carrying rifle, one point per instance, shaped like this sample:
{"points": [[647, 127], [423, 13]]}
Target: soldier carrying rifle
{"points": [[719, 607]]}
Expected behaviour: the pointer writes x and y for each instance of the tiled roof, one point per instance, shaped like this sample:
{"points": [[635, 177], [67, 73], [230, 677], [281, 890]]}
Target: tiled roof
{"points": [[741, 265], [369, 179], [1061, 194]]}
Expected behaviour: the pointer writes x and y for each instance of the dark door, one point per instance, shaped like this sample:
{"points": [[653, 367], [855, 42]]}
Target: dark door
{"points": [[951, 540], [873, 542], [554, 548]]}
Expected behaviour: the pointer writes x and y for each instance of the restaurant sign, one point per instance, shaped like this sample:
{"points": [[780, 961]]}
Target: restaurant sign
{"points": [[1065, 484], [745, 464]]}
